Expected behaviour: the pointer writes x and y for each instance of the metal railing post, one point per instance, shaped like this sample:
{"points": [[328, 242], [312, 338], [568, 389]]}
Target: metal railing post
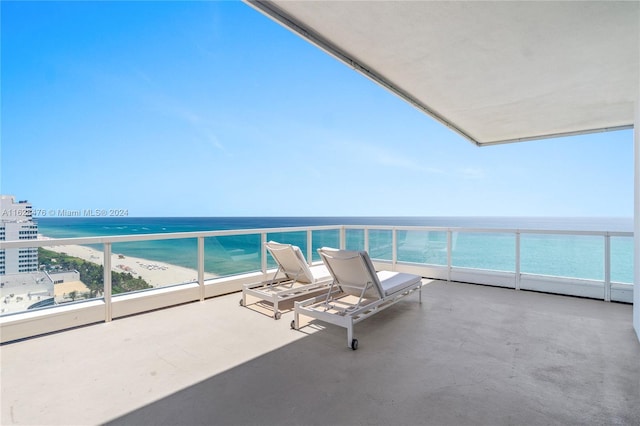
{"points": [[607, 268], [201, 267], [263, 251], [517, 283], [343, 237], [366, 239], [449, 253], [394, 248], [108, 314], [309, 246]]}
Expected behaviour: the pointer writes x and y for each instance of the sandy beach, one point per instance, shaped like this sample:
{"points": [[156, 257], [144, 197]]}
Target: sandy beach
{"points": [[157, 274]]}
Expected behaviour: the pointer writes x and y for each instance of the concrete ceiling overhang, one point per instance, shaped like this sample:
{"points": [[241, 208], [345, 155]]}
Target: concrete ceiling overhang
{"points": [[494, 71]]}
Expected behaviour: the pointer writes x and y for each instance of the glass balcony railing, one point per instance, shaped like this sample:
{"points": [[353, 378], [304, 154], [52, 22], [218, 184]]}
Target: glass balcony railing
{"points": [[146, 263]]}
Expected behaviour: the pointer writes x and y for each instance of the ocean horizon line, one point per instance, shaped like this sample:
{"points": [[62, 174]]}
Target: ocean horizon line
{"points": [[186, 223]]}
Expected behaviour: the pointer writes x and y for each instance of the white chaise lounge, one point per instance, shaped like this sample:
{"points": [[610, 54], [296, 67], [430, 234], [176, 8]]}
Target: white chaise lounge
{"points": [[364, 292], [293, 278]]}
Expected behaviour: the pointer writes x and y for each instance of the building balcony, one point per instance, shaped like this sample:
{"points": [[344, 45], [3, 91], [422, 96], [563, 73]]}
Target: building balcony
{"points": [[469, 354]]}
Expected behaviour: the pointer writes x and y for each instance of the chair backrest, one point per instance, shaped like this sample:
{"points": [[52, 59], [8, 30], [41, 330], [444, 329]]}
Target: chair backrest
{"points": [[290, 261], [353, 271]]}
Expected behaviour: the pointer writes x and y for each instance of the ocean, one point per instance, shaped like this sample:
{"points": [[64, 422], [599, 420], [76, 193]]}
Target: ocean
{"points": [[558, 255]]}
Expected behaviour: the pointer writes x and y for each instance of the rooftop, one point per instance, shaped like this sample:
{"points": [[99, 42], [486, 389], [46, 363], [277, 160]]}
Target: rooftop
{"points": [[469, 354]]}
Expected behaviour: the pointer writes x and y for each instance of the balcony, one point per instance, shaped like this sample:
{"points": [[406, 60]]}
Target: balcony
{"points": [[469, 354]]}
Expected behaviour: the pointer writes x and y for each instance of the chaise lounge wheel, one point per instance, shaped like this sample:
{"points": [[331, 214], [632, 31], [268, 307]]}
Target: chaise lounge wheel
{"points": [[241, 302], [354, 344], [277, 315], [293, 324]]}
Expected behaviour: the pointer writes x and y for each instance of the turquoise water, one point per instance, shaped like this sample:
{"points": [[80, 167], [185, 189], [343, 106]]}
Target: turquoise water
{"points": [[559, 255]]}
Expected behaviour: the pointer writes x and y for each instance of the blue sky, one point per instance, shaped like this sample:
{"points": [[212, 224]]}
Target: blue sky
{"points": [[211, 109]]}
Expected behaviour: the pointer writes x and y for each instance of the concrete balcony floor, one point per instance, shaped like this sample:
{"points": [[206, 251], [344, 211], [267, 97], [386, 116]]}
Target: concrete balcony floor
{"points": [[469, 355]]}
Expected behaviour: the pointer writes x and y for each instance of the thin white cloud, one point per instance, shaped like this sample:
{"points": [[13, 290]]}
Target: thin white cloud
{"points": [[197, 122], [385, 157], [142, 75], [212, 138], [173, 108], [471, 173]]}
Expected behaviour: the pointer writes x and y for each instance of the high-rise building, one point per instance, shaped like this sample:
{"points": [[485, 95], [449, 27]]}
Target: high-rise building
{"points": [[16, 223]]}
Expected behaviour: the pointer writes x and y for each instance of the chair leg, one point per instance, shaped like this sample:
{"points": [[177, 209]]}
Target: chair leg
{"points": [[295, 324], [350, 339]]}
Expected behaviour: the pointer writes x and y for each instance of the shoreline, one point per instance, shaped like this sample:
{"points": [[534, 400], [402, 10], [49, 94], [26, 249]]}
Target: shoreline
{"points": [[155, 273]]}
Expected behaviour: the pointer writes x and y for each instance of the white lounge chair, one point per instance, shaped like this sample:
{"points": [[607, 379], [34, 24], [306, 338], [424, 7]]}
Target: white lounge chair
{"points": [[364, 292], [293, 278]]}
